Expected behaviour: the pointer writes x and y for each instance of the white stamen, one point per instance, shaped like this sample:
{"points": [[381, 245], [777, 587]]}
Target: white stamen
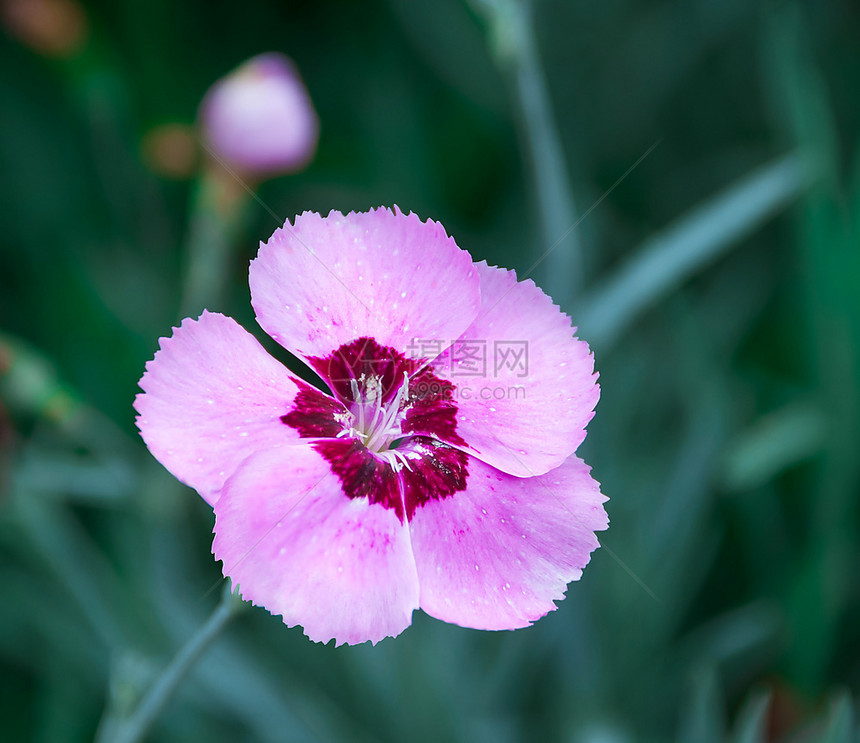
{"points": [[384, 430], [376, 423]]}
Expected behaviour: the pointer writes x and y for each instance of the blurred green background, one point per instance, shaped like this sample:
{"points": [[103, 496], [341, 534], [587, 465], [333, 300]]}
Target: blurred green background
{"points": [[718, 282]]}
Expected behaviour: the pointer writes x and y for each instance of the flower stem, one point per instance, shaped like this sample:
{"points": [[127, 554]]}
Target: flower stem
{"points": [[512, 29], [160, 692], [218, 207]]}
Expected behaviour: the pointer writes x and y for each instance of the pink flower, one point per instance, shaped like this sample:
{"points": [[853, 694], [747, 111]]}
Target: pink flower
{"points": [[409, 486], [260, 119]]}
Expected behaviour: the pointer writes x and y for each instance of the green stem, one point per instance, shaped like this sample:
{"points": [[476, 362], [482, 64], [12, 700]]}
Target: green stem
{"points": [[513, 31], [160, 692], [216, 215]]}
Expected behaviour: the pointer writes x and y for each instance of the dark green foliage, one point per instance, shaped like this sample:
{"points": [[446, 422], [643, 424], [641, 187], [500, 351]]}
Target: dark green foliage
{"points": [[722, 297]]}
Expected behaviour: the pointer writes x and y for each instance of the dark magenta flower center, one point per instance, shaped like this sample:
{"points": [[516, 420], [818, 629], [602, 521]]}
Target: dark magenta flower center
{"points": [[390, 431]]}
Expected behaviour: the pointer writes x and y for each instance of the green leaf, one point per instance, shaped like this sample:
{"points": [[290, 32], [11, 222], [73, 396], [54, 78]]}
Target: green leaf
{"points": [[772, 444], [752, 719], [840, 724], [691, 243], [702, 719]]}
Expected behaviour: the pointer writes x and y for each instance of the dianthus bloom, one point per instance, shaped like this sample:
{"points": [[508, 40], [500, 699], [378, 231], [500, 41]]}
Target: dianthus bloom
{"points": [[439, 473]]}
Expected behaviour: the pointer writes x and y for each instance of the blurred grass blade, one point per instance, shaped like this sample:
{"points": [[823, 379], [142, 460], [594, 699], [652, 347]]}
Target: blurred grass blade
{"points": [[670, 257], [751, 726], [77, 562], [840, 725], [740, 633], [31, 386], [65, 475], [772, 444], [827, 265], [702, 718]]}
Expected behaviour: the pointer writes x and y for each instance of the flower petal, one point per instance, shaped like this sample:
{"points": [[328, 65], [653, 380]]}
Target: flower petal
{"points": [[527, 412], [213, 396], [496, 555], [326, 281], [340, 567]]}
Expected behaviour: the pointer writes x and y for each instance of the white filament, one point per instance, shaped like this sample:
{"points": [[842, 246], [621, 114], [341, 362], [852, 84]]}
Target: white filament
{"points": [[377, 425]]}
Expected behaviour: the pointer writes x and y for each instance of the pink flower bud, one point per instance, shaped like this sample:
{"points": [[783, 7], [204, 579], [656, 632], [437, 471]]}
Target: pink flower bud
{"points": [[259, 119]]}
